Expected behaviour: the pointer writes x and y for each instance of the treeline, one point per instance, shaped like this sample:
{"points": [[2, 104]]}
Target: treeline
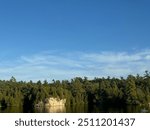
{"points": [[130, 90]]}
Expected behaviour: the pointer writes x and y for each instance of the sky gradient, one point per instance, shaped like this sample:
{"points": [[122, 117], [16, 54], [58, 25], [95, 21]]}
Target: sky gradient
{"points": [[63, 39]]}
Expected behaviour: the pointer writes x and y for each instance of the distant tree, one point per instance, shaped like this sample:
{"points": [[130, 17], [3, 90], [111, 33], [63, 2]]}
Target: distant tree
{"points": [[130, 91], [13, 79]]}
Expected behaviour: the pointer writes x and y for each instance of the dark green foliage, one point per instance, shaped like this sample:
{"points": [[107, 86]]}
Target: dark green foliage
{"points": [[133, 90]]}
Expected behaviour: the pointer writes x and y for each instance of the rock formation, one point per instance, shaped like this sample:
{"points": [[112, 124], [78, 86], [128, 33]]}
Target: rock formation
{"points": [[55, 109], [51, 102]]}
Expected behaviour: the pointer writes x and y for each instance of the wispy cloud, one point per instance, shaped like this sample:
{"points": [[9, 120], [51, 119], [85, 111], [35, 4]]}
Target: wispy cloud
{"points": [[62, 65]]}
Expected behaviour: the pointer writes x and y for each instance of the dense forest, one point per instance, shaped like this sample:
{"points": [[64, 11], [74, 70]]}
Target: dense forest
{"points": [[133, 90]]}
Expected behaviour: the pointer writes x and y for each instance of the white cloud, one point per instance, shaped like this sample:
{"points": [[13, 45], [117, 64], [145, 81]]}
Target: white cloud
{"points": [[147, 57], [107, 57], [56, 65]]}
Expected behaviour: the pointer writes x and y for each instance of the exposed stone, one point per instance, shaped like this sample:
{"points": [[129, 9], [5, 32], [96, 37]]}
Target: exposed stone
{"points": [[55, 109], [51, 102]]}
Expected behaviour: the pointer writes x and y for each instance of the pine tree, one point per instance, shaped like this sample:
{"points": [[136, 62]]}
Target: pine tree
{"points": [[130, 91]]}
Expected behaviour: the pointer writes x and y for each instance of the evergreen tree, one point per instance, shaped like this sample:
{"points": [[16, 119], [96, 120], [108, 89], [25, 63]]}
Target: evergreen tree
{"points": [[130, 91]]}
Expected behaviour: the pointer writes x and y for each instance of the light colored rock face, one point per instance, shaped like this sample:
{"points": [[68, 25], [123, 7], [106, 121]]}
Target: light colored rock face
{"points": [[55, 109], [52, 102]]}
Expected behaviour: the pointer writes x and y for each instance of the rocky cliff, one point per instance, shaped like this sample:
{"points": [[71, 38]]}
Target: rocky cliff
{"points": [[51, 102]]}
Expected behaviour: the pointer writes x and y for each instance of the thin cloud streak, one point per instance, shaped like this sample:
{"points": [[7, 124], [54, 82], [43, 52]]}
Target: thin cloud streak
{"points": [[63, 66]]}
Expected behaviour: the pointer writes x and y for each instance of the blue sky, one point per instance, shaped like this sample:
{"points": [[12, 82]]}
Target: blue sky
{"points": [[55, 39]]}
